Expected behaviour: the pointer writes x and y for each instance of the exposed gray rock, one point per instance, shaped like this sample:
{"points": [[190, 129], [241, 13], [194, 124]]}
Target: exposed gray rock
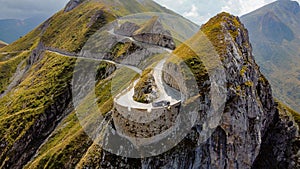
{"points": [[36, 54], [127, 29], [249, 112], [153, 32], [72, 4], [281, 144], [146, 90]]}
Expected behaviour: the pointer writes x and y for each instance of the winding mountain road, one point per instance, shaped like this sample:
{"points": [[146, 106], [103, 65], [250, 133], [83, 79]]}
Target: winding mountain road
{"points": [[166, 93]]}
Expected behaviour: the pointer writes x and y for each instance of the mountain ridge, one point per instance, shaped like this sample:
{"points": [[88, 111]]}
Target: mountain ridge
{"points": [[275, 38], [13, 29], [42, 130]]}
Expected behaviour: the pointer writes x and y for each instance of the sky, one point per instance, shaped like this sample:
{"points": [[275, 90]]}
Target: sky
{"points": [[198, 11]]}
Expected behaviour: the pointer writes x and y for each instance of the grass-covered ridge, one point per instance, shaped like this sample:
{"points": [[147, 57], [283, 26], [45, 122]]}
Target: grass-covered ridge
{"points": [[38, 101], [8, 68], [67, 140], [19, 109], [25, 43], [216, 28], [70, 30], [283, 108]]}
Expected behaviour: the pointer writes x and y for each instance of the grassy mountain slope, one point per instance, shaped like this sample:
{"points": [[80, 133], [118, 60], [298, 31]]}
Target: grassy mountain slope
{"points": [[37, 116], [41, 99], [275, 36]]}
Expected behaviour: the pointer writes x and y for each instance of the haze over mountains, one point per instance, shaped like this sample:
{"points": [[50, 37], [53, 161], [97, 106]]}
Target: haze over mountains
{"points": [[13, 29], [275, 36], [57, 113]]}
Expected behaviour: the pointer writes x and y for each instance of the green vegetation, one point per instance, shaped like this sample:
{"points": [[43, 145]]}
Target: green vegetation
{"points": [[141, 86], [243, 70], [45, 82], [121, 49], [249, 84], [25, 43], [283, 108], [2, 44], [48, 82], [68, 140], [214, 30], [274, 34], [148, 26], [122, 79], [8, 68], [69, 31]]}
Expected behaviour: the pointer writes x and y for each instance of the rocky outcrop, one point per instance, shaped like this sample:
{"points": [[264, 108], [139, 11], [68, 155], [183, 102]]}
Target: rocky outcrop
{"points": [[146, 90], [36, 54], [274, 34], [127, 29], [252, 133], [281, 144], [249, 110], [153, 32], [72, 4]]}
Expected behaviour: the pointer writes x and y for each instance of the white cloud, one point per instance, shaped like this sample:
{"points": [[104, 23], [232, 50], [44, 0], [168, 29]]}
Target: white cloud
{"points": [[240, 7], [192, 13], [200, 11], [21, 9]]}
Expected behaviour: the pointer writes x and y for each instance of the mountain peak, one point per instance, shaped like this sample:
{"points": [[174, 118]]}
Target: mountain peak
{"points": [[72, 4], [292, 6], [150, 26], [222, 23], [274, 31]]}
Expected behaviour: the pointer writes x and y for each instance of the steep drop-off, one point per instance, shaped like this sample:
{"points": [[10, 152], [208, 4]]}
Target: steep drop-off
{"points": [[274, 34]]}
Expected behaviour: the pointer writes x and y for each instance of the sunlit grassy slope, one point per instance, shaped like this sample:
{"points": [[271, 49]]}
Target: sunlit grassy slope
{"points": [[30, 111]]}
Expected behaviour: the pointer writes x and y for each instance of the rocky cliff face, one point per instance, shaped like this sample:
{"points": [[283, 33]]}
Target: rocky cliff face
{"points": [[274, 33], [72, 4], [281, 144], [153, 32], [250, 113], [127, 29], [146, 90]]}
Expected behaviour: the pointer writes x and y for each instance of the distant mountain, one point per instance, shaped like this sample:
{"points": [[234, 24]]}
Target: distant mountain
{"points": [[2, 44], [48, 120], [13, 29], [275, 36]]}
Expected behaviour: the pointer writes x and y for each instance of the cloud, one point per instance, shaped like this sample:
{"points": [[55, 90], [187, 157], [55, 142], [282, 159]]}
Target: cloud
{"points": [[22, 9], [240, 7], [200, 11], [192, 13]]}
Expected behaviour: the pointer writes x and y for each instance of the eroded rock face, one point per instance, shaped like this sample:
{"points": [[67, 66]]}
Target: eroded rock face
{"points": [[146, 90], [72, 4], [281, 144], [127, 29], [153, 32]]}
